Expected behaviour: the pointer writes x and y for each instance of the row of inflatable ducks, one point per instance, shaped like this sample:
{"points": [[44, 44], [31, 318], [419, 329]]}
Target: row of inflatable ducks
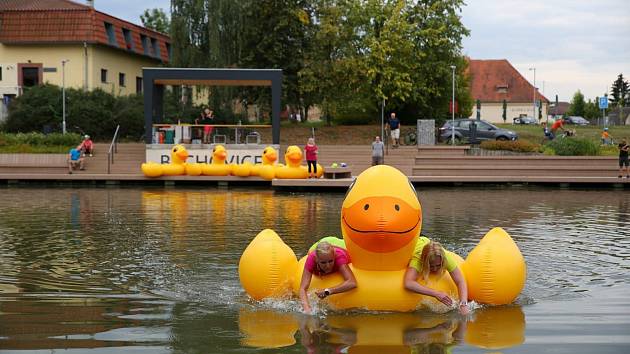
{"points": [[268, 169]]}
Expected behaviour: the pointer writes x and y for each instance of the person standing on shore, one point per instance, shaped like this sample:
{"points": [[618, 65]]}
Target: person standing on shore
{"points": [[378, 151], [623, 158], [311, 157], [394, 129]]}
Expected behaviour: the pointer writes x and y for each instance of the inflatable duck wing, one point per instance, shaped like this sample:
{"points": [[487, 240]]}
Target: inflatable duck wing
{"points": [[381, 219]]}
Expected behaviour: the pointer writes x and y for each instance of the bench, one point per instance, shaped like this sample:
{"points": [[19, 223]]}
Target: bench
{"points": [[34, 160], [337, 172]]}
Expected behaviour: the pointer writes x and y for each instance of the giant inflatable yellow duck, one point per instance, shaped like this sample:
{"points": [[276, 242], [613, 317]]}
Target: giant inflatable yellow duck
{"points": [[176, 167], [293, 168], [381, 219], [217, 167]]}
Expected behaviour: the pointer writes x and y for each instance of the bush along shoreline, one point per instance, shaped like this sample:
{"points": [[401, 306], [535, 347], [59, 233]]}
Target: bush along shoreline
{"points": [[31, 143]]}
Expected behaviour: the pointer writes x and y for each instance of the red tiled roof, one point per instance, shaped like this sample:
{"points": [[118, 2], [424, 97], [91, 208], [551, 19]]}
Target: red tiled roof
{"points": [[54, 21], [22, 5], [498, 80]]}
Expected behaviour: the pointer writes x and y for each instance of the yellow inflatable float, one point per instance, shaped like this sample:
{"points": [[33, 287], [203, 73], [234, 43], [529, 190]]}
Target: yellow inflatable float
{"points": [[217, 167], [293, 168], [381, 219], [176, 167], [267, 170]]}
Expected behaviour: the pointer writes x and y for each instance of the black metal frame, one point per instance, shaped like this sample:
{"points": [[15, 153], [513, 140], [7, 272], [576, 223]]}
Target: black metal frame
{"points": [[154, 91]]}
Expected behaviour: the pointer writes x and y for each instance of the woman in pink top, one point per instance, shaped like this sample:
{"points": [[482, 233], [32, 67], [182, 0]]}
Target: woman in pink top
{"points": [[326, 259], [311, 157]]}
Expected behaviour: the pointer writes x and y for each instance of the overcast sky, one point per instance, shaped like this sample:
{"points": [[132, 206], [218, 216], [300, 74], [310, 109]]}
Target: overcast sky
{"points": [[573, 44]]}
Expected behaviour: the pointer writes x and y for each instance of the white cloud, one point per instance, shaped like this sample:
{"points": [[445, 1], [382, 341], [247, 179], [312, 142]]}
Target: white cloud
{"points": [[574, 44]]}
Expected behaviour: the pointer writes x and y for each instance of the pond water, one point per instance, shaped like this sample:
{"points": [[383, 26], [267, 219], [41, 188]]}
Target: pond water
{"points": [[137, 270]]}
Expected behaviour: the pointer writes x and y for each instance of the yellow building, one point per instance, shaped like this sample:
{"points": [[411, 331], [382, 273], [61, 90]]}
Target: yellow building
{"points": [[60, 40]]}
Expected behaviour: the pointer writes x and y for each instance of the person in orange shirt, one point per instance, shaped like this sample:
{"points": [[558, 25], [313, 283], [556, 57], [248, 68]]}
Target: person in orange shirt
{"points": [[558, 124], [605, 137]]}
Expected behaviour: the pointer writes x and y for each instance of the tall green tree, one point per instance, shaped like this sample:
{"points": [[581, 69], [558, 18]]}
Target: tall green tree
{"points": [[577, 106], [620, 92], [591, 110], [156, 19]]}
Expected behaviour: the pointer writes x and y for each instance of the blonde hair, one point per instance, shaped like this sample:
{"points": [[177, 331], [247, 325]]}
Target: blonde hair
{"points": [[431, 251], [323, 248]]}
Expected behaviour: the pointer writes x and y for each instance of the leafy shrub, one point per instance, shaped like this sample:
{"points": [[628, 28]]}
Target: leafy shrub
{"points": [[516, 146], [38, 142], [574, 147]]}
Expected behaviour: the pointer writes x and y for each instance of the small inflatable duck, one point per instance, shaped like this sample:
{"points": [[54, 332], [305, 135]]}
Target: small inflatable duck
{"points": [[381, 220], [176, 167], [217, 167], [293, 168], [267, 169]]}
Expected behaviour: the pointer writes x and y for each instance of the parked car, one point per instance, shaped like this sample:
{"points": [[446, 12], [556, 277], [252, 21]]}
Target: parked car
{"points": [[576, 120], [525, 120], [485, 131]]}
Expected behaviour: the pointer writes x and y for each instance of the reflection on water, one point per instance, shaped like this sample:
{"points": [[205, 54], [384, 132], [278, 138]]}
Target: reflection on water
{"points": [[134, 270]]}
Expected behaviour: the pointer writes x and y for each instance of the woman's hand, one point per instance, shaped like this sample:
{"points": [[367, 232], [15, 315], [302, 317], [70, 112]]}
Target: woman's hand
{"points": [[443, 298], [464, 309], [321, 293]]}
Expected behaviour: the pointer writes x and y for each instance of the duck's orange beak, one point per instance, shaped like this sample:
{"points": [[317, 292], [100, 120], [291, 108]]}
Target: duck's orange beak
{"points": [[221, 155], [182, 154], [295, 156], [271, 157], [381, 224]]}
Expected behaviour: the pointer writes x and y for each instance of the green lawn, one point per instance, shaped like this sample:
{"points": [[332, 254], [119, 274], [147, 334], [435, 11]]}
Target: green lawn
{"points": [[534, 134]]}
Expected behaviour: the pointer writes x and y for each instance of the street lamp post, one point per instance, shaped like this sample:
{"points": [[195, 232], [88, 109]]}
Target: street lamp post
{"points": [[534, 96], [453, 108], [63, 94]]}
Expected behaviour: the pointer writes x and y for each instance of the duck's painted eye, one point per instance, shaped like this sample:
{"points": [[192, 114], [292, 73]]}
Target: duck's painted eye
{"points": [[397, 207], [214, 150], [174, 149], [366, 207]]}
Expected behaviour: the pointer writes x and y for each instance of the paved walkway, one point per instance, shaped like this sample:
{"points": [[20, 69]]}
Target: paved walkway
{"points": [[425, 165]]}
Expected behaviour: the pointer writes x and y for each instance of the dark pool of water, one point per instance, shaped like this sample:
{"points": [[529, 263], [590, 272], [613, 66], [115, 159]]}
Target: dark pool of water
{"points": [[155, 270]]}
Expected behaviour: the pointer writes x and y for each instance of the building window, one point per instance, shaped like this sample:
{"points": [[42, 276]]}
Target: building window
{"points": [[156, 47], [138, 84], [169, 51], [128, 39], [121, 79], [145, 44], [111, 35], [0, 73], [104, 75]]}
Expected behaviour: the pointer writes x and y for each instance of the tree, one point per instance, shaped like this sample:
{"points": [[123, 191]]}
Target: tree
{"points": [[591, 110], [156, 19], [577, 105], [620, 92]]}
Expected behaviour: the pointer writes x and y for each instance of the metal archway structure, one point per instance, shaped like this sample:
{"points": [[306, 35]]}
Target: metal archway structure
{"points": [[155, 79]]}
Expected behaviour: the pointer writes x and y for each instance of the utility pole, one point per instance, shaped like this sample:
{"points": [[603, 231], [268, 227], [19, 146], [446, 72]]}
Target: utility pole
{"points": [[63, 94]]}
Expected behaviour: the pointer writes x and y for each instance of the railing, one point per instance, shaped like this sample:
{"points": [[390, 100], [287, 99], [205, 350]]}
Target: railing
{"points": [[113, 146], [219, 134]]}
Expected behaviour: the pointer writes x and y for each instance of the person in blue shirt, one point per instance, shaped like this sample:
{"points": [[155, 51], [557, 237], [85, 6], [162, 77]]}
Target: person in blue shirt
{"points": [[75, 159], [394, 128]]}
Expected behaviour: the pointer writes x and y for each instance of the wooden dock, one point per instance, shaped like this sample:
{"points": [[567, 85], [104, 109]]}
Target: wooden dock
{"points": [[438, 165]]}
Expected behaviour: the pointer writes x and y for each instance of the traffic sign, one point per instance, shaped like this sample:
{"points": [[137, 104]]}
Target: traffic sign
{"points": [[603, 102]]}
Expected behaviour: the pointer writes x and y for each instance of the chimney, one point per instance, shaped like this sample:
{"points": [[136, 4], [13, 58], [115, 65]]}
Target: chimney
{"points": [[90, 3]]}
